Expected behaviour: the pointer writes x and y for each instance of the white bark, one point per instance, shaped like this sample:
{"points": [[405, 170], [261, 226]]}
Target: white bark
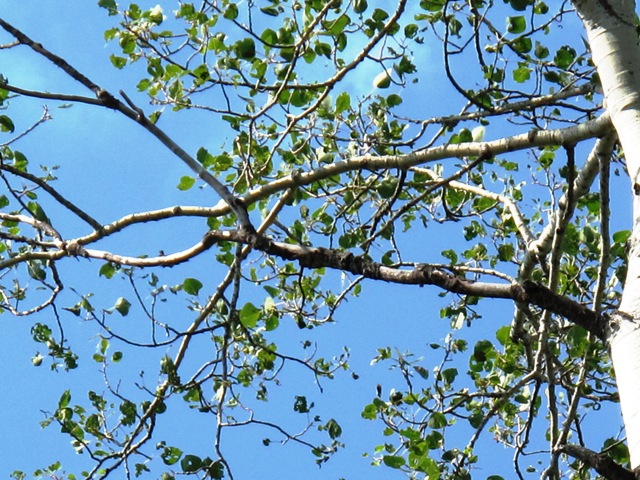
{"points": [[610, 26]]}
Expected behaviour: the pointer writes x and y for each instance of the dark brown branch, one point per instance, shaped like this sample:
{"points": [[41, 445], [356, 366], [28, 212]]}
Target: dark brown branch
{"points": [[317, 257], [601, 463]]}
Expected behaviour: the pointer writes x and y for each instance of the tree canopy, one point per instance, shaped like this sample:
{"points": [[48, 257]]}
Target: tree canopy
{"points": [[472, 148]]}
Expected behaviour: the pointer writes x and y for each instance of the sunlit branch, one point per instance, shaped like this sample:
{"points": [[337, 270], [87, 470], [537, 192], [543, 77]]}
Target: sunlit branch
{"points": [[543, 138], [605, 243], [600, 152], [562, 218], [534, 138], [38, 225], [508, 203], [162, 260], [61, 97]]}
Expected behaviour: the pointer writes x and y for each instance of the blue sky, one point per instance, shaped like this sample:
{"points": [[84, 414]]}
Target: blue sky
{"points": [[112, 167]]}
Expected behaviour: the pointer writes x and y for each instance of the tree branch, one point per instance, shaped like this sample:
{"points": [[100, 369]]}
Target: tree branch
{"points": [[601, 463], [422, 274], [596, 128]]}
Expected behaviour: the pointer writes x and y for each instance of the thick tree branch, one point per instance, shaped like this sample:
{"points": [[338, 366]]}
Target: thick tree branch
{"points": [[599, 127], [422, 274], [601, 463]]}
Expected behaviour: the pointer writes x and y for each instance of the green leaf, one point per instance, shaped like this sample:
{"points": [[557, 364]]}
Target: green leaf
{"points": [[222, 162], [506, 252], [411, 30], [122, 306], [38, 213], [565, 57], [622, 236], [300, 405], [108, 270], [6, 124], [337, 26], [269, 37], [65, 398], [118, 62], [394, 100], [520, 5], [343, 102], [541, 8], [522, 45], [216, 470], [190, 463], [449, 375], [271, 323], [245, 48], [432, 5], [271, 11], [387, 187], [186, 183], [36, 271], [517, 24], [370, 412], [110, 5], [231, 13], [204, 157], [128, 411], [359, 6], [171, 455], [334, 429], [192, 286], [37, 359], [20, 160], [249, 315], [383, 79], [541, 52], [437, 420], [393, 461]]}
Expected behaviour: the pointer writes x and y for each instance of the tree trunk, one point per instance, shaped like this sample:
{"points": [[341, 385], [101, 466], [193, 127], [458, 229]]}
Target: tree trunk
{"points": [[610, 26]]}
